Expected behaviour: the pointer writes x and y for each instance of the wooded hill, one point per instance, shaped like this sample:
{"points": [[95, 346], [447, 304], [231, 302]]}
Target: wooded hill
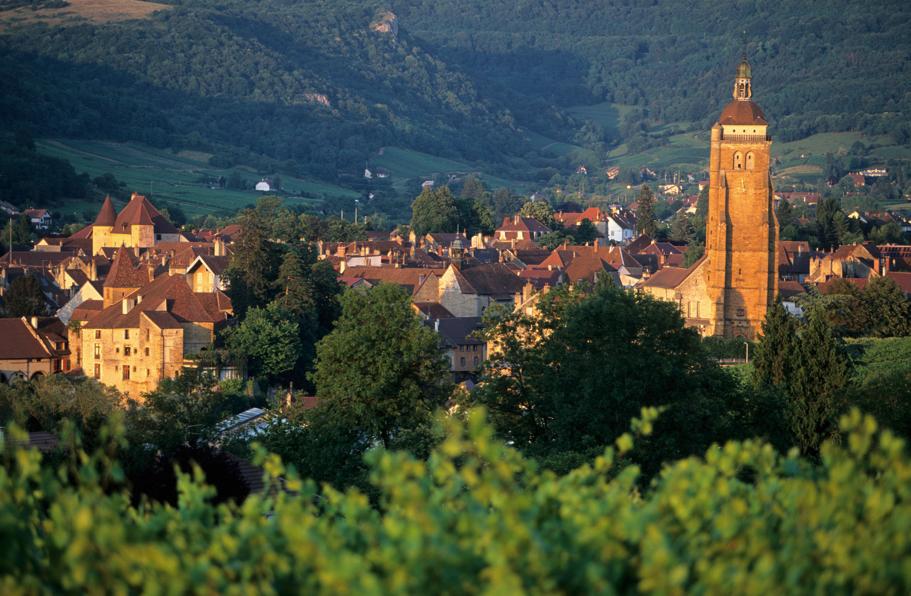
{"points": [[317, 88]]}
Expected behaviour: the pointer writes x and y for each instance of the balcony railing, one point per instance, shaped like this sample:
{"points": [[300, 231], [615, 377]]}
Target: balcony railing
{"points": [[745, 138]]}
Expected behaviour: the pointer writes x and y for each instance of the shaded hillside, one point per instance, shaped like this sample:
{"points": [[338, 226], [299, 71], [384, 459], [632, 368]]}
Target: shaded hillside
{"points": [[820, 67], [317, 88], [308, 86]]}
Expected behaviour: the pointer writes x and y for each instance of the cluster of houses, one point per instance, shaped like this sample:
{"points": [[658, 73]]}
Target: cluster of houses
{"points": [[136, 299]]}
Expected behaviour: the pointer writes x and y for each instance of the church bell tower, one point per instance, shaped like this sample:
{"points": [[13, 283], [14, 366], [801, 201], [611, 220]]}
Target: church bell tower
{"points": [[741, 245]]}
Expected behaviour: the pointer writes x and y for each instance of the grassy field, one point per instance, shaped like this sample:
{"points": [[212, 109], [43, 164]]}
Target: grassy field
{"points": [[75, 11], [176, 178], [686, 151], [607, 114], [403, 164]]}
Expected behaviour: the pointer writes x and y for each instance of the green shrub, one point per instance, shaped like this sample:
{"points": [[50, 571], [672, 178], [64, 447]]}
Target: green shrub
{"points": [[477, 516]]}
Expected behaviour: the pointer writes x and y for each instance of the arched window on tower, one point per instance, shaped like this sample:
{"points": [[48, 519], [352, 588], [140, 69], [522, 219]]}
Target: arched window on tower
{"points": [[738, 161], [750, 162]]}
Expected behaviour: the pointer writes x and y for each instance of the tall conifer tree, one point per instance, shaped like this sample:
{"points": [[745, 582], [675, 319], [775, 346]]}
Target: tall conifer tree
{"points": [[646, 222]]}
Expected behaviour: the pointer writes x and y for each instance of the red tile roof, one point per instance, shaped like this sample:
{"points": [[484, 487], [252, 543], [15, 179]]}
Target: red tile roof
{"points": [[408, 277], [139, 211], [106, 215], [87, 310], [21, 341], [524, 224], [589, 267], [489, 279], [742, 112], [126, 271], [169, 293], [83, 234], [789, 289], [903, 279], [670, 277]]}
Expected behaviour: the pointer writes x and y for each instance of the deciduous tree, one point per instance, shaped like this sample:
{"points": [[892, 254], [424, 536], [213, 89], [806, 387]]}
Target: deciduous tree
{"points": [[380, 370], [538, 209], [564, 380], [434, 210], [269, 338]]}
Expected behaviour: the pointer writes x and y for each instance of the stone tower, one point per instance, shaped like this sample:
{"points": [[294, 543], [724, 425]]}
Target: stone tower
{"points": [[741, 245]]}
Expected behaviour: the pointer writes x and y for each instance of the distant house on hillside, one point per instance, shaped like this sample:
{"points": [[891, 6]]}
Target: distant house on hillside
{"points": [[263, 186], [39, 218]]}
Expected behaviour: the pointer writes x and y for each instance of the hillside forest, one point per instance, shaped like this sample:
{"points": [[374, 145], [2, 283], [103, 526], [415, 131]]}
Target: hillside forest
{"points": [[318, 89]]}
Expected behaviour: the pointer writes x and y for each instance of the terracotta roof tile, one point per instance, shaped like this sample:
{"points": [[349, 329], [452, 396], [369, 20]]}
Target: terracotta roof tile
{"points": [[106, 215], [139, 211], [21, 341], [126, 271], [490, 279], [742, 112], [168, 292]]}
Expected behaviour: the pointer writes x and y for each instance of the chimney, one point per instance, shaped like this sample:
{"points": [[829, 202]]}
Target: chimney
{"points": [[34, 322], [597, 244], [436, 325], [126, 305], [515, 219]]}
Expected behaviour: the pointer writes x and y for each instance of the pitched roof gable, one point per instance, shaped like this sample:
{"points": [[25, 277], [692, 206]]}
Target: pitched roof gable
{"points": [[139, 211], [489, 279], [169, 293], [126, 271], [20, 341]]}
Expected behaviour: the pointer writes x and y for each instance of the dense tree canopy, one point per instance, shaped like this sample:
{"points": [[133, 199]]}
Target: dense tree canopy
{"points": [[568, 379], [380, 369], [25, 298], [434, 210]]}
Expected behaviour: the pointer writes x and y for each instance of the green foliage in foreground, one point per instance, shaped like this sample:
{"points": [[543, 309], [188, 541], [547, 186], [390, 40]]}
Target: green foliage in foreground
{"points": [[478, 517]]}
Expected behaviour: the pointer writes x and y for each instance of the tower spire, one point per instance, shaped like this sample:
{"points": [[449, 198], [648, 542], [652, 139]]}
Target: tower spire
{"points": [[743, 88]]}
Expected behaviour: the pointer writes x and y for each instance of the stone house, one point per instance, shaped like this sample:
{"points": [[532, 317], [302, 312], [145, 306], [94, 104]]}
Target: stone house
{"points": [[851, 260], [520, 228], [139, 225], [207, 273], [468, 291], [465, 353], [146, 335]]}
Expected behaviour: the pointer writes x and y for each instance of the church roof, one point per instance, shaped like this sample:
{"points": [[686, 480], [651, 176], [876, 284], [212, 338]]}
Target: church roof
{"points": [[742, 112], [106, 215]]}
